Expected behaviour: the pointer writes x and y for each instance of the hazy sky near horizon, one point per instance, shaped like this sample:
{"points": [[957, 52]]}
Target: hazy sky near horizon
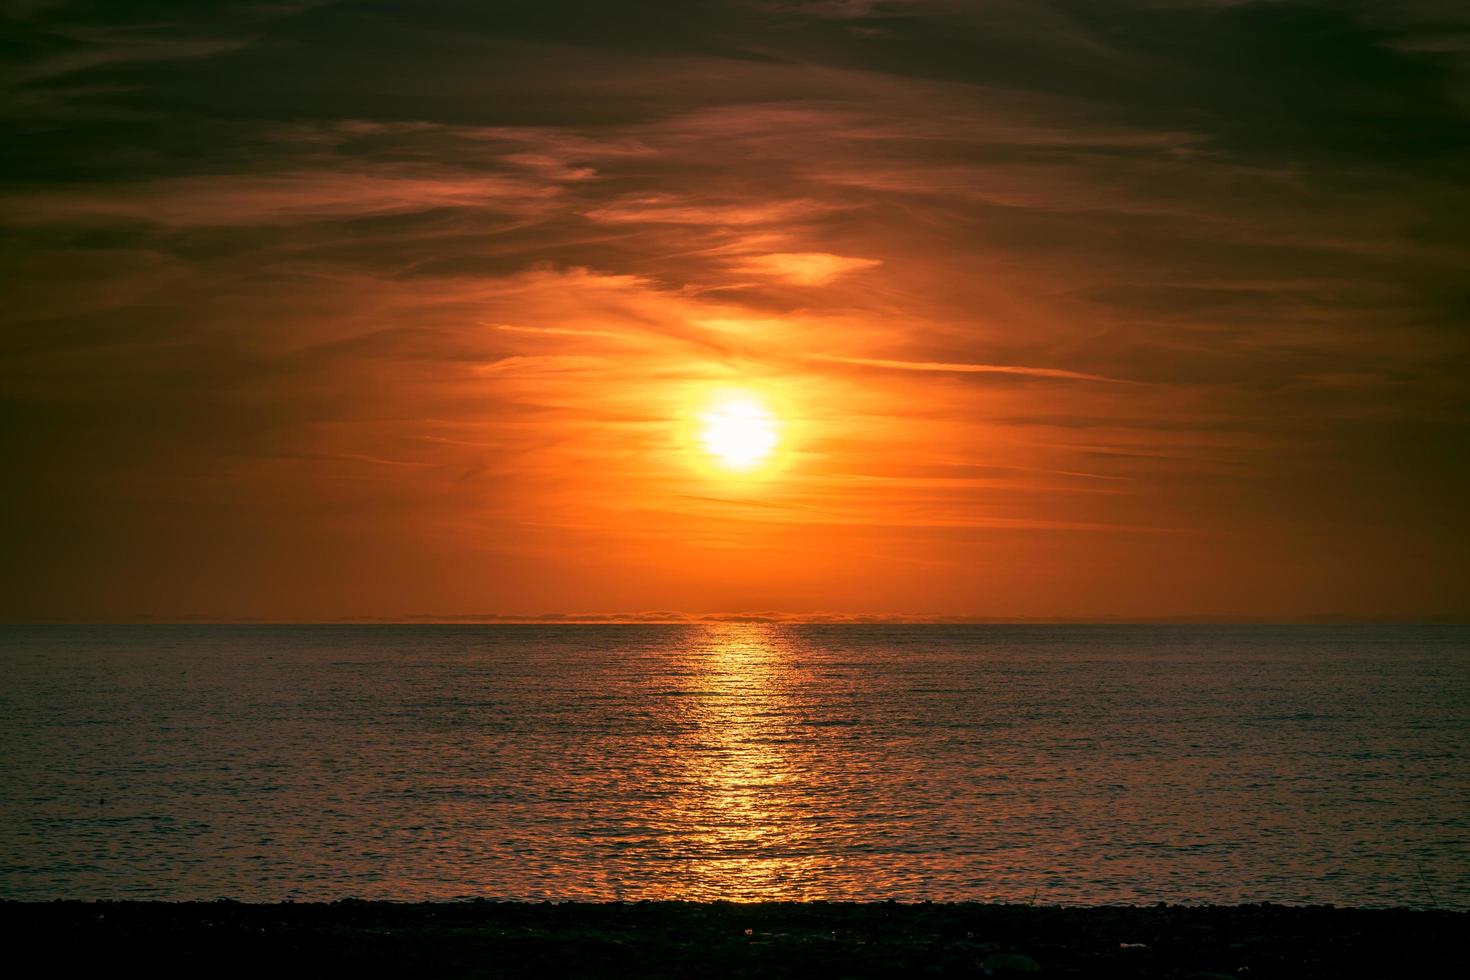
{"points": [[1065, 307]]}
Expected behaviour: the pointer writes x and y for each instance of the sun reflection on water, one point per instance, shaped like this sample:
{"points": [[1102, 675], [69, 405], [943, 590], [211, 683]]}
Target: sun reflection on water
{"points": [[742, 830]]}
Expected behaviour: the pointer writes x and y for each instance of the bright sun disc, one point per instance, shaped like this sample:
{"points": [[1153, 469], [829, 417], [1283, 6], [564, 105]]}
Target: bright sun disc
{"points": [[739, 432]]}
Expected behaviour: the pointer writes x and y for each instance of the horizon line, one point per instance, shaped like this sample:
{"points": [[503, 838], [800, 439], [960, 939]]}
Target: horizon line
{"points": [[671, 618]]}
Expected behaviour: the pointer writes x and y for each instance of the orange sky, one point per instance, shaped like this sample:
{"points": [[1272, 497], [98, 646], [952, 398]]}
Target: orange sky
{"points": [[1133, 337]]}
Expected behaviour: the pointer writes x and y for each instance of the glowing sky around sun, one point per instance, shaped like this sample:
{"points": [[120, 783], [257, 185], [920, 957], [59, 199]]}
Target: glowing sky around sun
{"points": [[321, 310]]}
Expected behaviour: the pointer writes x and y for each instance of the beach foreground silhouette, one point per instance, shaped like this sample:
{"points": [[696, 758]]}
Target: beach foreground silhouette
{"points": [[667, 939]]}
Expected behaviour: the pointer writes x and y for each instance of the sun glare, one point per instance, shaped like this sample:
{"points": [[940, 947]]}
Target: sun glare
{"points": [[739, 431]]}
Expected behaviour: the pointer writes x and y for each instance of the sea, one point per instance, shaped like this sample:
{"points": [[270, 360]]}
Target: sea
{"points": [[1045, 764]]}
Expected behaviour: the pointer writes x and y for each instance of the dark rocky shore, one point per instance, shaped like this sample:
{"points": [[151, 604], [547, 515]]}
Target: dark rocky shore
{"points": [[492, 939]]}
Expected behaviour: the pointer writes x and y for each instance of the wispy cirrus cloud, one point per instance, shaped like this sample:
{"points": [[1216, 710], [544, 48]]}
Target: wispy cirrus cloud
{"points": [[805, 268], [290, 197], [943, 367]]}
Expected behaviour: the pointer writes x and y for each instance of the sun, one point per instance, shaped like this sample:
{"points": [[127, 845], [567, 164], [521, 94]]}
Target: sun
{"points": [[739, 431]]}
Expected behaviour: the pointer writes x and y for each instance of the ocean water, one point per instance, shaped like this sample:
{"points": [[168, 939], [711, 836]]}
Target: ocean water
{"points": [[1047, 764]]}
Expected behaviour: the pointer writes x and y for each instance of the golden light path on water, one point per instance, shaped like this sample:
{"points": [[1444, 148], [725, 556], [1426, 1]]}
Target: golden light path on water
{"points": [[748, 841]]}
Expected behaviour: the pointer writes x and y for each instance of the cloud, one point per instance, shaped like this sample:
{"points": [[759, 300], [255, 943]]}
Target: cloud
{"points": [[948, 368], [246, 199], [804, 268], [53, 41], [672, 209]]}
